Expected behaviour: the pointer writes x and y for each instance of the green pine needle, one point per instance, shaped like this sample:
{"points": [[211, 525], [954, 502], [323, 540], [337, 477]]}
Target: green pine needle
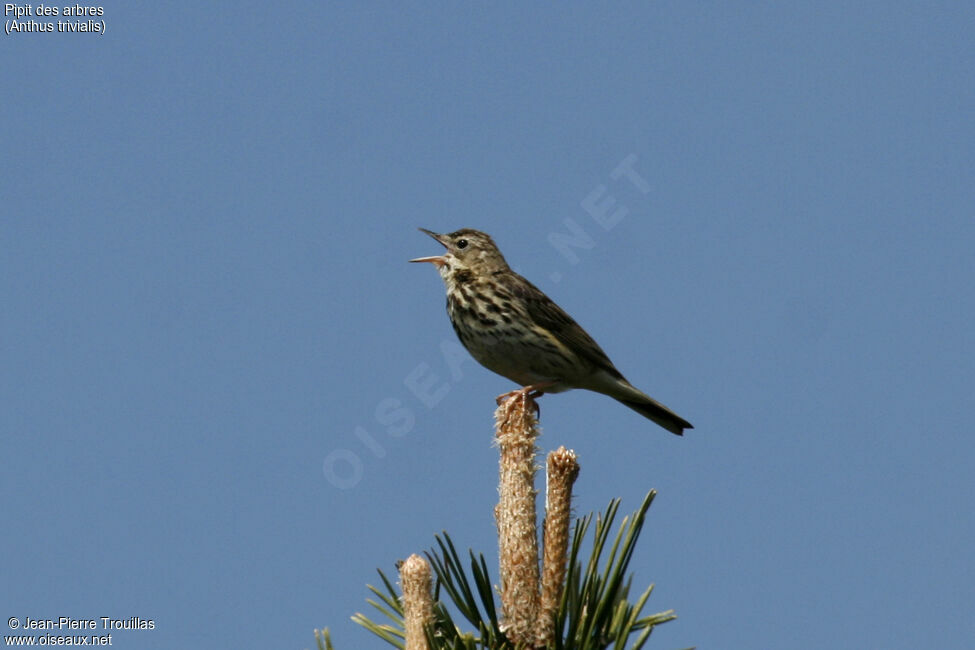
{"points": [[595, 612]]}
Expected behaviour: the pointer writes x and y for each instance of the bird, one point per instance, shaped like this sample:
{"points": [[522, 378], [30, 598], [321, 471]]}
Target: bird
{"points": [[513, 329]]}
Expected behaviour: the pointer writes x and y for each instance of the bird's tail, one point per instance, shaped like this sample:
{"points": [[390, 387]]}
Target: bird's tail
{"points": [[612, 383], [654, 410]]}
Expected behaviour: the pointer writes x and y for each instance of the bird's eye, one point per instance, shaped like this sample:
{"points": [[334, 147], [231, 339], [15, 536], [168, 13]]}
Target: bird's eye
{"points": [[461, 243]]}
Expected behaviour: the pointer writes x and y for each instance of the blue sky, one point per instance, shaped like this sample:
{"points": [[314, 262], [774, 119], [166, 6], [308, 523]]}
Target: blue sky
{"points": [[206, 217]]}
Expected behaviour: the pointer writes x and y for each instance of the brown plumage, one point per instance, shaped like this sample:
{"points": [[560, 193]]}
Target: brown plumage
{"points": [[511, 327]]}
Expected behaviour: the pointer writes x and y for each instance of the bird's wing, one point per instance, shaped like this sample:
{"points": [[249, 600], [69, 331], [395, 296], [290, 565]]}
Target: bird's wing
{"points": [[545, 313]]}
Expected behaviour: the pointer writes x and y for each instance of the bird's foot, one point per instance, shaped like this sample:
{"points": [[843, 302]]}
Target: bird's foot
{"points": [[533, 391], [527, 392], [503, 397]]}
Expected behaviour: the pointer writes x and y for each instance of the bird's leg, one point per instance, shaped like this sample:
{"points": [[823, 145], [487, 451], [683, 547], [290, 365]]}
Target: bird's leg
{"points": [[503, 397], [537, 390], [532, 391]]}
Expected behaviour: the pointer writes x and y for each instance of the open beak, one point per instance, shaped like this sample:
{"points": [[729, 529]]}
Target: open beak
{"points": [[437, 261]]}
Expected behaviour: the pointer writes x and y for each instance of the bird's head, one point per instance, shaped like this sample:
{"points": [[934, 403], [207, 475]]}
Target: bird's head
{"points": [[467, 249]]}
